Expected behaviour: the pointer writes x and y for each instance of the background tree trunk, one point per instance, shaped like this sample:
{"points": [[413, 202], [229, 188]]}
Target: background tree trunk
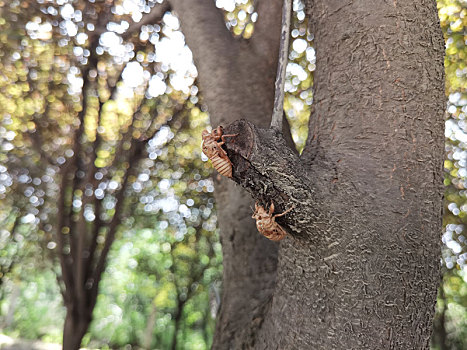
{"points": [[74, 330], [237, 80], [361, 267]]}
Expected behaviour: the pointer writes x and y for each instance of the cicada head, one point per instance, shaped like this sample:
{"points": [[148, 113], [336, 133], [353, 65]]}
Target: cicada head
{"points": [[217, 132]]}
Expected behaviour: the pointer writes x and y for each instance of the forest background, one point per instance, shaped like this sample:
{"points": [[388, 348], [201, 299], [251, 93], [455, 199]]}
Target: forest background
{"points": [[123, 69]]}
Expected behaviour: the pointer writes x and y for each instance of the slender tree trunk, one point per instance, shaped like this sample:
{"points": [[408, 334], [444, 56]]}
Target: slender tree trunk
{"points": [[74, 330], [360, 268]]}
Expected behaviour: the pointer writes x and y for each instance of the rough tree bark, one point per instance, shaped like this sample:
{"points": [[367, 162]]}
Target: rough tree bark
{"points": [[360, 268]]}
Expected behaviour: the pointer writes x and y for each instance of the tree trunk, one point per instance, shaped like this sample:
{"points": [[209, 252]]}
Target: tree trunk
{"points": [[236, 78], [74, 330], [360, 268]]}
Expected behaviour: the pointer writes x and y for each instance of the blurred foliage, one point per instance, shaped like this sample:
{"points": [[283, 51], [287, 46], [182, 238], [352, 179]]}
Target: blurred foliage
{"points": [[147, 277], [162, 283], [450, 324], [38, 311], [71, 99], [453, 18]]}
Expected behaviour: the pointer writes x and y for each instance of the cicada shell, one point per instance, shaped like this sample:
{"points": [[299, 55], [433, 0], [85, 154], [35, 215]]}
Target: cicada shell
{"points": [[266, 222], [212, 148]]}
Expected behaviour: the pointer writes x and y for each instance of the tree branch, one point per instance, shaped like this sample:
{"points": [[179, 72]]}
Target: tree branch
{"points": [[204, 22], [62, 288], [271, 171], [37, 142], [70, 273], [277, 114], [78, 231], [154, 16], [84, 264], [77, 237], [96, 229], [135, 155], [36, 135], [61, 215]]}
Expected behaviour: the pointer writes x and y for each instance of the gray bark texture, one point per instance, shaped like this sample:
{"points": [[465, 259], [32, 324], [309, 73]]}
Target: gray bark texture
{"points": [[360, 266]]}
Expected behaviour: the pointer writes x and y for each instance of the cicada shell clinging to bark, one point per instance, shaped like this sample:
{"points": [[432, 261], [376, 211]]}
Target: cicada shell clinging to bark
{"points": [[212, 148], [266, 222]]}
